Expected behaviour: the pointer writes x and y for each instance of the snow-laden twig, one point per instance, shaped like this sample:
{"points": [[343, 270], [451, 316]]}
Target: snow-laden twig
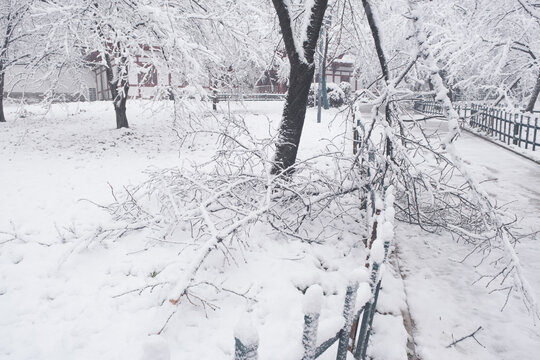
{"points": [[216, 238]]}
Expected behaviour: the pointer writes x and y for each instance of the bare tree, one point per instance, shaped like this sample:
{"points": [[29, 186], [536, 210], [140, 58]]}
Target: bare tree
{"points": [[12, 16]]}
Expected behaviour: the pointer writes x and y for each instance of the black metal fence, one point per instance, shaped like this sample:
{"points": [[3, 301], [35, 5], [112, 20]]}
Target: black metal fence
{"points": [[428, 107], [250, 97], [511, 127]]}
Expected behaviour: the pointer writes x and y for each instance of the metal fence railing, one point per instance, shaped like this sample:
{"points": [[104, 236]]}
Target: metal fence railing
{"points": [[428, 107], [250, 97], [352, 337], [511, 127]]}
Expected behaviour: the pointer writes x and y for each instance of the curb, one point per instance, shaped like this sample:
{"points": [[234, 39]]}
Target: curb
{"points": [[408, 321], [500, 144]]}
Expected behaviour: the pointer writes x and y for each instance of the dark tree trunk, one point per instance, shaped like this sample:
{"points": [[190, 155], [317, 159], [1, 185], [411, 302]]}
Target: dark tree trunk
{"points": [[534, 95], [2, 117], [119, 98], [294, 113], [120, 109], [300, 78]]}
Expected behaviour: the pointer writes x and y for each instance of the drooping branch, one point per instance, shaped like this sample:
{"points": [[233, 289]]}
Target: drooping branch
{"points": [[505, 91]]}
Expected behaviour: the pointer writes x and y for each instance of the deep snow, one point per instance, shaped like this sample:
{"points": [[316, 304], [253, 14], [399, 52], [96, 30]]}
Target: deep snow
{"points": [[65, 296]]}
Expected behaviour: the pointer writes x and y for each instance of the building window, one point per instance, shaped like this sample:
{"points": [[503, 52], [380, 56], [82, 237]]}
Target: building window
{"points": [[148, 77], [345, 78]]}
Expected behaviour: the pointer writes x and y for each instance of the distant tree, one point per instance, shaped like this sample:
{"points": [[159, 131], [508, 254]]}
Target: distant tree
{"points": [[114, 31], [193, 42], [486, 49], [13, 14], [534, 15]]}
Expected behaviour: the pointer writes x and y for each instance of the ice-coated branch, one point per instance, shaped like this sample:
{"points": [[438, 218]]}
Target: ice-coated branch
{"points": [[217, 237]]}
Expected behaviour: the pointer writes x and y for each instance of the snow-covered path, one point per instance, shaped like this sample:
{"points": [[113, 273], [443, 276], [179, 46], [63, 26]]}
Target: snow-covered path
{"points": [[443, 301]]}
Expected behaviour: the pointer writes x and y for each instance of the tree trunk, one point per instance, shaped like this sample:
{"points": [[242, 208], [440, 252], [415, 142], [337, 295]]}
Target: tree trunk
{"points": [[2, 117], [120, 109], [300, 78], [294, 113], [119, 98], [534, 95]]}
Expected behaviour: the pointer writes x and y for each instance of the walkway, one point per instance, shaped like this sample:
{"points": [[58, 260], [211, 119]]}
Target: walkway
{"points": [[444, 303]]}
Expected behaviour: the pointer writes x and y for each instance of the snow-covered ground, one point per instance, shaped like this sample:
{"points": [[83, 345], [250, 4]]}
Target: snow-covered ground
{"points": [[65, 296]]}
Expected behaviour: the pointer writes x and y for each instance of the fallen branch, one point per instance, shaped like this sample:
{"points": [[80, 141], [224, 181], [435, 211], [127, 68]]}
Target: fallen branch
{"points": [[471, 335]]}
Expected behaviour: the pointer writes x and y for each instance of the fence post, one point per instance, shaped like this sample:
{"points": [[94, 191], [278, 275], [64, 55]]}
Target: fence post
{"points": [[348, 315], [490, 121], [527, 132], [486, 118], [246, 340], [498, 121], [535, 130], [312, 310], [503, 129], [367, 317], [520, 127], [516, 129]]}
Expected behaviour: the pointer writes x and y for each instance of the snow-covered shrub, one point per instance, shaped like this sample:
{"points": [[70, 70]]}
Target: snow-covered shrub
{"points": [[336, 96], [312, 94], [347, 91]]}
